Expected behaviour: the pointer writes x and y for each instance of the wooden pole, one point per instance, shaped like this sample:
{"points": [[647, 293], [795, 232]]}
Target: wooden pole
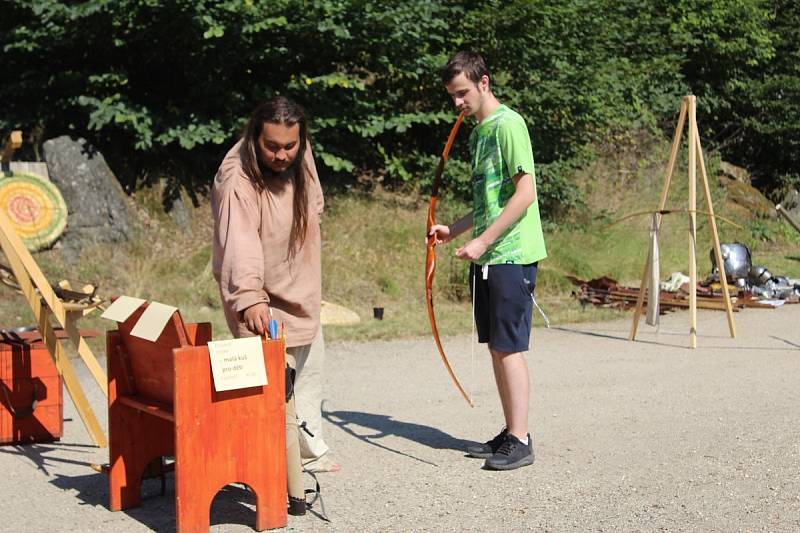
{"points": [[689, 108], [56, 351], [10, 243], [717, 250], [84, 351], [692, 222], [12, 144], [676, 144], [15, 246], [71, 380], [785, 214]]}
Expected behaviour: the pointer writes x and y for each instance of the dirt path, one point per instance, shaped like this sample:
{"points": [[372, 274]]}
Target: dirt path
{"points": [[629, 437]]}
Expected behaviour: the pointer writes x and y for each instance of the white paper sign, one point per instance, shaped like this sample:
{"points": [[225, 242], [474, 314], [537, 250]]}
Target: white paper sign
{"points": [[122, 308], [237, 363], [153, 321]]}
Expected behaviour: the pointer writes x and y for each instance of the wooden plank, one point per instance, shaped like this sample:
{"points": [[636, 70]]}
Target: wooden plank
{"points": [[46, 329], [209, 420], [29, 167], [755, 304], [12, 144], [33, 336], [152, 367], [785, 214], [689, 110], [715, 236], [692, 102], [71, 381], [676, 143], [84, 351], [217, 438], [148, 406], [14, 245], [27, 372], [703, 303]]}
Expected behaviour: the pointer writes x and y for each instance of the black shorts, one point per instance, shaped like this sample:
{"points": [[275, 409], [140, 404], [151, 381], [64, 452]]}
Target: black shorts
{"points": [[503, 305]]}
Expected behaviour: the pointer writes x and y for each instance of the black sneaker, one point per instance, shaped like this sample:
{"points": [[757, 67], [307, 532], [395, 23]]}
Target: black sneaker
{"points": [[511, 454], [487, 449]]}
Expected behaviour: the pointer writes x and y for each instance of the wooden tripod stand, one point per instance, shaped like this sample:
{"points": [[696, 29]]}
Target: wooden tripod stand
{"points": [[688, 107]]}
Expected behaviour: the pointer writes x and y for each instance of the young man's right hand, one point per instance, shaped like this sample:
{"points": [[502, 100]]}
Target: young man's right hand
{"points": [[256, 318]]}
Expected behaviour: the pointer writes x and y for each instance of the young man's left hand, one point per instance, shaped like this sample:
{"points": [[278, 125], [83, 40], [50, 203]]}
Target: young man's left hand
{"points": [[473, 250]]}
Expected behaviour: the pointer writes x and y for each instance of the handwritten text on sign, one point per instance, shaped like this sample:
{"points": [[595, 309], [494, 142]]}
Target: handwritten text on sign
{"points": [[237, 363]]}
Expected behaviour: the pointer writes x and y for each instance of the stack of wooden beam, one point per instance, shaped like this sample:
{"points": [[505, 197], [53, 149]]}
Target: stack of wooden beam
{"points": [[607, 292]]}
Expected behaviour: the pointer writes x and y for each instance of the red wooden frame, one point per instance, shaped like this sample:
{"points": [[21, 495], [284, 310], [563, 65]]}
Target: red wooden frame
{"points": [[28, 373], [161, 402]]}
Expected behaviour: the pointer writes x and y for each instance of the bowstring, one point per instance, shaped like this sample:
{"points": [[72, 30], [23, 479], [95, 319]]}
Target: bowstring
{"points": [[472, 337]]}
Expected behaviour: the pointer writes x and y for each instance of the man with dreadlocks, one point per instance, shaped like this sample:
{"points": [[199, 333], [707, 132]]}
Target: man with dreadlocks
{"points": [[267, 203]]}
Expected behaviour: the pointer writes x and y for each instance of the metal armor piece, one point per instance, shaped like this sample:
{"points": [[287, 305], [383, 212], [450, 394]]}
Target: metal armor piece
{"points": [[759, 275], [736, 259]]}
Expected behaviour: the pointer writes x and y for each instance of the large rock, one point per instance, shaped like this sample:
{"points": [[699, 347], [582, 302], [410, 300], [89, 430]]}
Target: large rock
{"points": [[97, 205], [748, 200], [735, 173]]}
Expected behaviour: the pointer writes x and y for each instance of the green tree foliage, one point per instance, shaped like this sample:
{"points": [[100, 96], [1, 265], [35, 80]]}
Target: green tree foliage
{"points": [[742, 60], [770, 112], [163, 87]]}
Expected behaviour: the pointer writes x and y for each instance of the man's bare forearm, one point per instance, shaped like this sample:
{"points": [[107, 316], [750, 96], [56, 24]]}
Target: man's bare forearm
{"points": [[523, 197], [461, 225]]}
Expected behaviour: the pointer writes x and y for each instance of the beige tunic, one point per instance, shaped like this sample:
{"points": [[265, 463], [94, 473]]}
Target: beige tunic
{"points": [[251, 245]]}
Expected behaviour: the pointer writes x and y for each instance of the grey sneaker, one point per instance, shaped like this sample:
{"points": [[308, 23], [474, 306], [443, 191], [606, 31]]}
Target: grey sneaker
{"points": [[487, 449], [511, 454]]}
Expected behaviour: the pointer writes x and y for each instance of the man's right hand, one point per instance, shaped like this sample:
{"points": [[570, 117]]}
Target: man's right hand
{"points": [[256, 318]]}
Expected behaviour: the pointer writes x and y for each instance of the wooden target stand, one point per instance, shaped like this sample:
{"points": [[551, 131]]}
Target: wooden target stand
{"points": [[44, 303], [688, 107]]}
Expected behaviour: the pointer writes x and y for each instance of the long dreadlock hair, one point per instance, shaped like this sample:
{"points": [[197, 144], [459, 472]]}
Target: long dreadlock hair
{"points": [[280, 110]]}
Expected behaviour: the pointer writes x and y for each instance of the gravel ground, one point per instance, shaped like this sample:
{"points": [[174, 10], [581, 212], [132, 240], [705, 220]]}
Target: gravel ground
{"points": [[643, 436]]}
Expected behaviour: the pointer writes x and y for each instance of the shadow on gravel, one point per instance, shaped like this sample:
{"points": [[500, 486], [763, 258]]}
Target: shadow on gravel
{"points": [[39, 454], [670, 345], [790, 343], [613, 337], [385, 425], [233, 504]]}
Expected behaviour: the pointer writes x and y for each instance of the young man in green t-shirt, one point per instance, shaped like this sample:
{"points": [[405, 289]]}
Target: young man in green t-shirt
{"points": [[505, 248]]}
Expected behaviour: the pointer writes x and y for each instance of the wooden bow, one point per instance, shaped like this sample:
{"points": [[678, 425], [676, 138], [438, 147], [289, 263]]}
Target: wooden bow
{"points": [[430, 260], [670, 211]]}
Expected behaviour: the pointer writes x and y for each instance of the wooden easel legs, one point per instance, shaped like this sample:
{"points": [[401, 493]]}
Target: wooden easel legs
{"points": [[717, 250], [689, 107], [30, 278]]}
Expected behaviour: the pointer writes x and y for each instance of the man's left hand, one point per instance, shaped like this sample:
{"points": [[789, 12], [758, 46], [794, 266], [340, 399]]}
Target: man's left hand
{"points": [[473, 250]]}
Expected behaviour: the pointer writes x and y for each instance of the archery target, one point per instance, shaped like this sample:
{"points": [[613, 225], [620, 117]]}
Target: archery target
{"points": [[36, 209]]}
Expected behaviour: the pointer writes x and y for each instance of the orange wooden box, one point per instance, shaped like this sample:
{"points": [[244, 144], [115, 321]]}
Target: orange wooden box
{"points": [[162, 402], [31, 398]]}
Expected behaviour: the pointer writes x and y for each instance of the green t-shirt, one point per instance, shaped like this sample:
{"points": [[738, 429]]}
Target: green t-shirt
{"points": [[501, 148]]}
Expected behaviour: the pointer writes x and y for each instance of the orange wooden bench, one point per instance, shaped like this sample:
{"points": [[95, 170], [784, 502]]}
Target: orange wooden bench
{"points": [[162, 402]]}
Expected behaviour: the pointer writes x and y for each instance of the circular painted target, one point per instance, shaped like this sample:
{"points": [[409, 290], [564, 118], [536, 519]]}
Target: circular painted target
{"points": [[35, 207]]}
